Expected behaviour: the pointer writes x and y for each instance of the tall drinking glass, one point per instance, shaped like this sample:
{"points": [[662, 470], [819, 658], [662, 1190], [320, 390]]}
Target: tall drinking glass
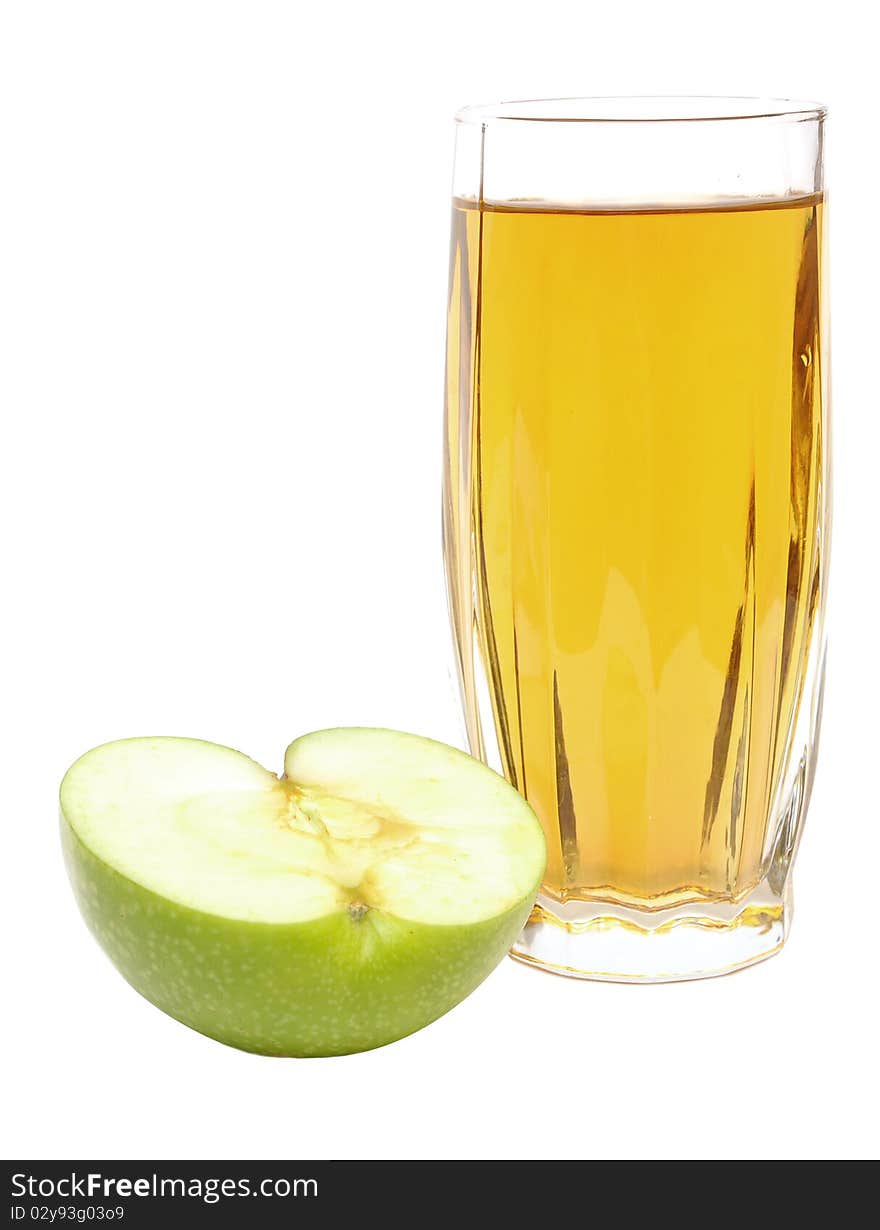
{"points": [[636, 510]]}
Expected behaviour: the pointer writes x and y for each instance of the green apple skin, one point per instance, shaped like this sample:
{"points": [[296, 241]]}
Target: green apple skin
{"points": [[330, 986]]}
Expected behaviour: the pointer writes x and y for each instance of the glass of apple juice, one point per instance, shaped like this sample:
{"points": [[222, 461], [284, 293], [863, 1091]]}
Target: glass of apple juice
{"points": [[636, 510]]}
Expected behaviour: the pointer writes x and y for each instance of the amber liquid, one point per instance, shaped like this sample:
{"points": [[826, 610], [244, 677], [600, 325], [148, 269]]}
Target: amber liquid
{"points": [[633, 506]]}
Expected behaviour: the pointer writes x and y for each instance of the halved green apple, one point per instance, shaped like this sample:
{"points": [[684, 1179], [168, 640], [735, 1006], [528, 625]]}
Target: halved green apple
{"points": [[335, 909]]}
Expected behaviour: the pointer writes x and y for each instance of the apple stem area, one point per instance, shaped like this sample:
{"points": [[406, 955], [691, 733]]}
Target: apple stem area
{"points": [[303, 815]]}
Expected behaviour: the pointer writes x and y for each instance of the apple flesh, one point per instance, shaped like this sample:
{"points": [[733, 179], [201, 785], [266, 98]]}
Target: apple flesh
{"points": [[335, 909]]}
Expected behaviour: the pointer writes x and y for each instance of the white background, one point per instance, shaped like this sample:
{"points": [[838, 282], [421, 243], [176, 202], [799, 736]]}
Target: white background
{"points": [[224, 259]]}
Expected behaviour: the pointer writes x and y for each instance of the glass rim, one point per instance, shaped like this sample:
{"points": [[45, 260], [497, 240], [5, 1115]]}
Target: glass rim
{"points": [[642, 109]]}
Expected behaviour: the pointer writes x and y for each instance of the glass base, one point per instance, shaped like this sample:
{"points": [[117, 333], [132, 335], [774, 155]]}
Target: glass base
{"points": [[611, 943]]}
